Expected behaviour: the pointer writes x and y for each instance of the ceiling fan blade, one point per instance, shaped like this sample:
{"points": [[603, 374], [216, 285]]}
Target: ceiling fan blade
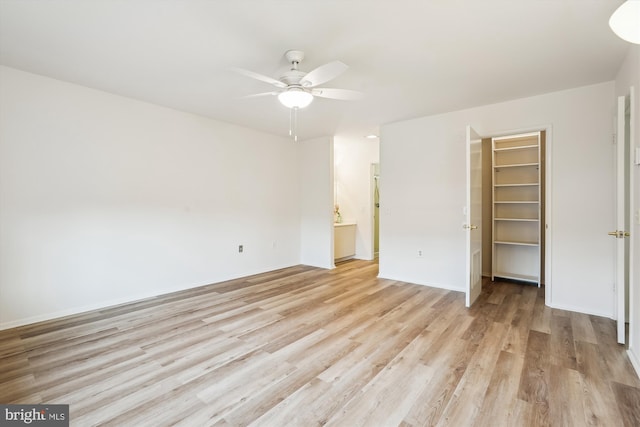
{"points": [[257, 95], [343, 94], [323, 74], [260, 77]]}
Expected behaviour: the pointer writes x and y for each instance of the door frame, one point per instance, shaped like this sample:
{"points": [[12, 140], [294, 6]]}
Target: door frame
{"points": [[473, 287], [624, 221], [548, 197]]}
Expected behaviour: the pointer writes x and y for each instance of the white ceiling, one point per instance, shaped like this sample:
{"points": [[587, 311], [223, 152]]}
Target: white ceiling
{"points": [[409, 57]]}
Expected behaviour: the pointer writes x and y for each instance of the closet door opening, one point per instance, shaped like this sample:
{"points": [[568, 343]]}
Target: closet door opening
{"points": [[514, 193]]}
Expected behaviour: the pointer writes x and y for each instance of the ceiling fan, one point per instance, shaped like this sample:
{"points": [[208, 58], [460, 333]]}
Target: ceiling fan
{"points": [[297, 89]]}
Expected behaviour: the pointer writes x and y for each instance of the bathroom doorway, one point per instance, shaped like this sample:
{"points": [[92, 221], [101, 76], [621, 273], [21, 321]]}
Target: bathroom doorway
{"points": [[375, 179]]}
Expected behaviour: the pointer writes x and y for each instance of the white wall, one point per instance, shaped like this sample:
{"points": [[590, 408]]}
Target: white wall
{"points": [[104, 199], [628, 76], [353, 159], [315, 162], [424, 193]]}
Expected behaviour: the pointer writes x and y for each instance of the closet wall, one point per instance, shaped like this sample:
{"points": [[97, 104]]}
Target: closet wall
{"points": [[424, 195]]}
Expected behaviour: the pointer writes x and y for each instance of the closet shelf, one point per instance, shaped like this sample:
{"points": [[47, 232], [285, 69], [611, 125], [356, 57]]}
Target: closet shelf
{"points": [[516, 165], [524, 184], [517, 187], [520, 147], [510, 242]]}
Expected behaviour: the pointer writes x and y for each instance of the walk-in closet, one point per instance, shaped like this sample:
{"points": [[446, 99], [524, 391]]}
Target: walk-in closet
{"points": [[513, 202]]}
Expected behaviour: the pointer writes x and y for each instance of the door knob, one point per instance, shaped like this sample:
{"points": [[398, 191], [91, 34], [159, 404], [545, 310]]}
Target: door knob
{"points": [[470, 227], [619, 234]]}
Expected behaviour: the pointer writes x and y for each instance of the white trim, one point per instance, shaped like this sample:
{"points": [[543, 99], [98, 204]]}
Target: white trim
{"points": [[84, 309], [121, 301], [548, 213], [635, 361], [632, 285]]}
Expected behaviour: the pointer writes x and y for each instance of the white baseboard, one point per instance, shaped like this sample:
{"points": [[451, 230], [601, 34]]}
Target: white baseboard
{"points": [[78, 310], [124, 300], [635, 361]]}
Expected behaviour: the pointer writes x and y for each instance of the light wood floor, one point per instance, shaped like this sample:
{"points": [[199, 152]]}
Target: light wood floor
{"points": [[306, 347]]}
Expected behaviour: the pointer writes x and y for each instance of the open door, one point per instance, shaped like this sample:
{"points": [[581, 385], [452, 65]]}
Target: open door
{"points": [[621, 219], [473, 222]]}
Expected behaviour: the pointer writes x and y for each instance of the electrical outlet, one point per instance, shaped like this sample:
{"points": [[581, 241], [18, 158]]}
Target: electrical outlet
{"points": [[419, 253], [240, 248]]}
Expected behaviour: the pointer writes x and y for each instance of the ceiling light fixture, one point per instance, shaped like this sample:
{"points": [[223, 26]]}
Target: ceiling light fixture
{"points": [[625, 21], [295, 97]]}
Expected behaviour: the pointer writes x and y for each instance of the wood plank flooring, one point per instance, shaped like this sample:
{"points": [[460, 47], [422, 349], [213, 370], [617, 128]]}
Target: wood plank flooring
{"points": [[309, 347]]}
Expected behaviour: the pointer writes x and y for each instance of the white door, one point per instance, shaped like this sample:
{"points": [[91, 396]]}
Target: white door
{"points": [[621, 229], [473, 219]]}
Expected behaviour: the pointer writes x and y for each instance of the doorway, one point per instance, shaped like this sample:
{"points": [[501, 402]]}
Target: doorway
{"points": [[515, 206], [375, 179]]}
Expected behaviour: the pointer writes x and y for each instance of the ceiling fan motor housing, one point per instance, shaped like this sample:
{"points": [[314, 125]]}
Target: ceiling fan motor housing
{"points": [[292, 77]]}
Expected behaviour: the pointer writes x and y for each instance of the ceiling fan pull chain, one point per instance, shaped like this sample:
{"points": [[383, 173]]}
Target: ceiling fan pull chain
{"points": [[295, 123], [291, 122]]}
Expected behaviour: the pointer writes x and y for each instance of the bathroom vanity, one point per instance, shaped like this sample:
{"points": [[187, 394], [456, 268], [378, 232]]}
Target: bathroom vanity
{"points": [[344, 240]]}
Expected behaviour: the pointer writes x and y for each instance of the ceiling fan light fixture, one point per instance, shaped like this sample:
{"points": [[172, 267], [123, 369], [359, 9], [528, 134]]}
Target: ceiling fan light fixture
{"points": [[295, 98], [625, 21]]}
